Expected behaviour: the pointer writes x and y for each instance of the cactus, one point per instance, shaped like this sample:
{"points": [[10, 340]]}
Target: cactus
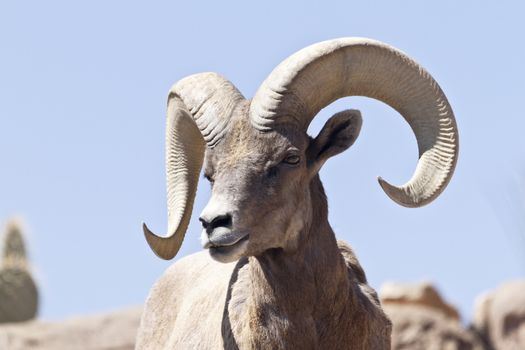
{"points": [[18, 291]]}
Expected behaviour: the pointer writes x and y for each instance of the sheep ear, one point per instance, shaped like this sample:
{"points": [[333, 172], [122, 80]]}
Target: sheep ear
{"points": [[337, 135]]}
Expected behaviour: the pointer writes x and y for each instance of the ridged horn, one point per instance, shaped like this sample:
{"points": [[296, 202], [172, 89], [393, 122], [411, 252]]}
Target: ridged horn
{"points": [[314, 77], [199, 109]]}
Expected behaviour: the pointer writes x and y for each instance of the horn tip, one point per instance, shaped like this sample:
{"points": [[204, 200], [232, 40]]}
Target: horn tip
{"points": [[400, 195], [156, 244]]}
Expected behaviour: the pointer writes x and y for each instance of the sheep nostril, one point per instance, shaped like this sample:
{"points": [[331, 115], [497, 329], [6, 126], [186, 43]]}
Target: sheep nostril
{"points": [[221, 221], [204, 223]]}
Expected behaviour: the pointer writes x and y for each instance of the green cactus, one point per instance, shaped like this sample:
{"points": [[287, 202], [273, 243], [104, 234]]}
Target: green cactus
{"points": [[14, 249], [18, 291]]}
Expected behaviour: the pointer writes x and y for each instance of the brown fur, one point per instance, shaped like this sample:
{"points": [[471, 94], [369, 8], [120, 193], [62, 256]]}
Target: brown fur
{"points": [[315, 299], [294, 286]]}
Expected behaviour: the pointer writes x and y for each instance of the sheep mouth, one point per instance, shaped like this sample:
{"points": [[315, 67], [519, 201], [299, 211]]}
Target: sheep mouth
{"points": [[226, 242], [228, 251]]}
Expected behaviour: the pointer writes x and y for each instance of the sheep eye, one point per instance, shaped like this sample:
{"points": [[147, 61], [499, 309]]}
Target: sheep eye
{"points": [[292, 159]]}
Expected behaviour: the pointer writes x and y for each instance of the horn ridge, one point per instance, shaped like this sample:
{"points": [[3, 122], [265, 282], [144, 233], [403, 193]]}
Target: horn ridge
{"points": [[198, 113], [309, 80]]}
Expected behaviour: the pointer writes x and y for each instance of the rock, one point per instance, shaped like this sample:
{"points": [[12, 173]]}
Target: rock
{"points": [[500, 316], [416, 327], [421, 319], [423, 294], [115, 331]]}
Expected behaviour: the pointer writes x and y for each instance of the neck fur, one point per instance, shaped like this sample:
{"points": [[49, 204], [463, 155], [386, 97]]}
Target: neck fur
{"points": [[294, 297]]}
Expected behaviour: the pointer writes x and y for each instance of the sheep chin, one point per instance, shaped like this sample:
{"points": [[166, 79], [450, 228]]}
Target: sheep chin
{"points": [[231, 253]]}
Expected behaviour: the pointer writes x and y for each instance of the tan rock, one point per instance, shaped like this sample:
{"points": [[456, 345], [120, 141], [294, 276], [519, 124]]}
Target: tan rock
{"points": [[422, 294], [416, 327], [500, 316], [115, 331], [421, 319]]}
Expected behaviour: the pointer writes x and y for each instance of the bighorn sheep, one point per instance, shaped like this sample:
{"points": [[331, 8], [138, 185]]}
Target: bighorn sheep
{"points": [[275, 276]]}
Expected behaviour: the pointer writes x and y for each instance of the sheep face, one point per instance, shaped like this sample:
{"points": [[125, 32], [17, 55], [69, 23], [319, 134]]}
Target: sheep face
{"points": [[260, 185], [258, 180]]}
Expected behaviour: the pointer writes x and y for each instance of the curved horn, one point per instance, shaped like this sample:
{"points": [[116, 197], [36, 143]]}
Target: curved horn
{"points": [[316, 76], [199, 109]]}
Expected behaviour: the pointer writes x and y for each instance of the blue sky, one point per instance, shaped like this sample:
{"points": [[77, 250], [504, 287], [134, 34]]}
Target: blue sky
{"points": [[82, 104]]}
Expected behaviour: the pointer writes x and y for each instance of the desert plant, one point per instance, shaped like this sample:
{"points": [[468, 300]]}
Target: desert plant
{"points": [[18, 291]]}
